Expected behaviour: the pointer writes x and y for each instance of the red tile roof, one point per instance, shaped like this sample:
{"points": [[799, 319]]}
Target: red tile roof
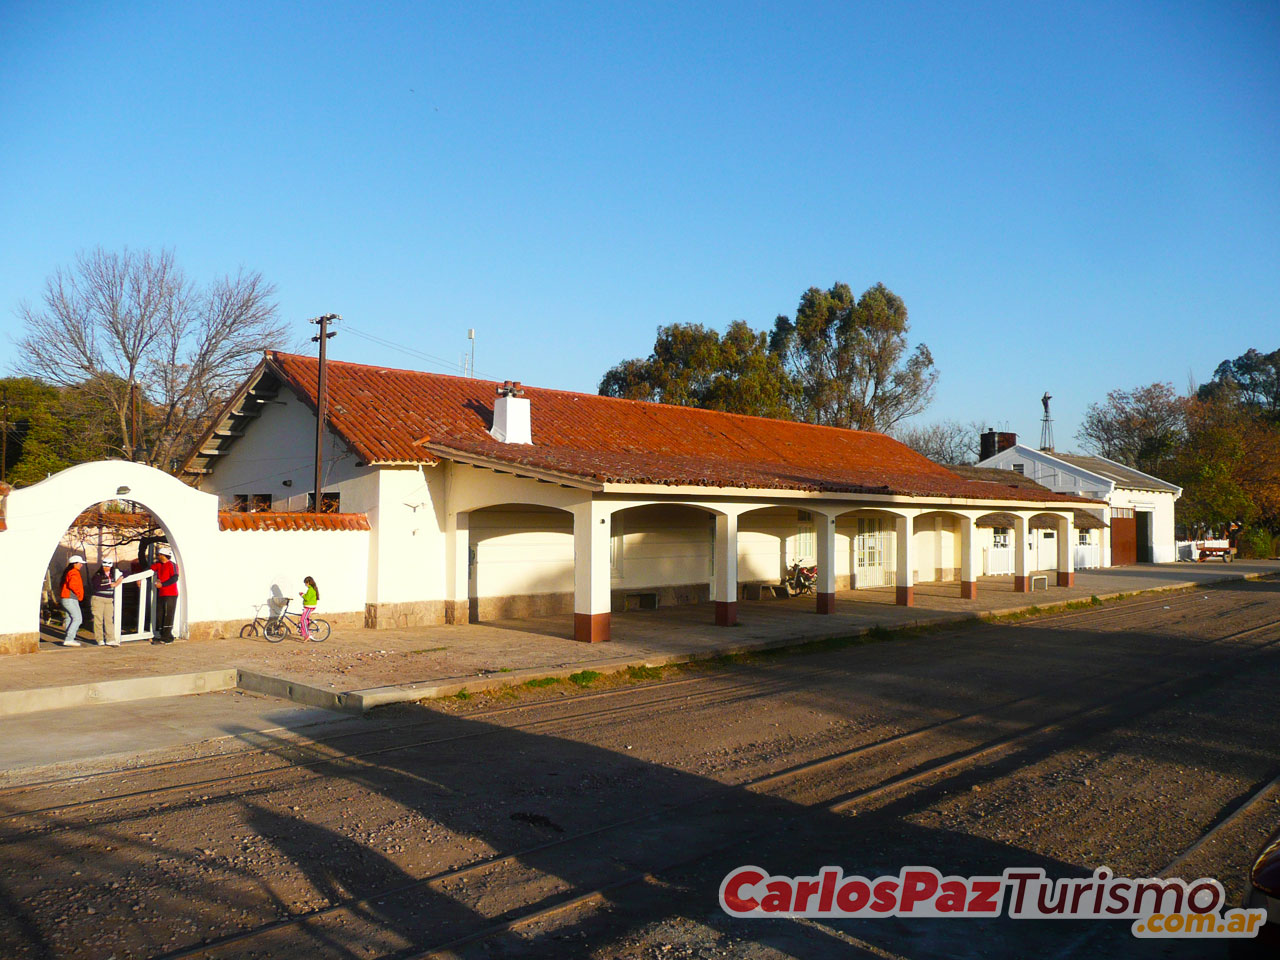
{"points": [[292, 521], [405, 416]]}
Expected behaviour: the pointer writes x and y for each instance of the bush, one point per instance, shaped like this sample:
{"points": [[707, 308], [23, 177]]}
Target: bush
{"points": [[1255, 543]]}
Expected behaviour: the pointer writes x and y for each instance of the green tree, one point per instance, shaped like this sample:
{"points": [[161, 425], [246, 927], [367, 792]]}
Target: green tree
{"points": [[1253, 378], [51, 428], [1228, 466], [851, 360], [692, 366]]}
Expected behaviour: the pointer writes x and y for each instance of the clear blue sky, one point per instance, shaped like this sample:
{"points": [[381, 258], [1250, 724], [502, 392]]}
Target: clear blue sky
{"points": [[1071, 197]]}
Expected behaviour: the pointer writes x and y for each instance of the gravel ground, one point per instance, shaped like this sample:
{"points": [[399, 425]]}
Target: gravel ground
{"points": [[1135, 733]]}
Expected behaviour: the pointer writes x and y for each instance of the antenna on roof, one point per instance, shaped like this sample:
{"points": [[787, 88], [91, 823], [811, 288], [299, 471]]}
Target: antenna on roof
{"points": [[471, 366], [1046, 425]]}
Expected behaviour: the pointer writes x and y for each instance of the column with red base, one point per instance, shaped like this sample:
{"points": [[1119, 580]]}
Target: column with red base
{"points": [[904, 564], [725, 581], [970, 559], [1021, 573], [1066, 551], [591, 599], [825, 532]]}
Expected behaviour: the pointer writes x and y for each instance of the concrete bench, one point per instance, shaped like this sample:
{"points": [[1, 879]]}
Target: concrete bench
{"points": [[1043, 578]]}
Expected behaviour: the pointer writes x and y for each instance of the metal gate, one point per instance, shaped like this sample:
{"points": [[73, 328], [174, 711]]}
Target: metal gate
{"points": [[871, 560], [144, 623], [1124, 537]]}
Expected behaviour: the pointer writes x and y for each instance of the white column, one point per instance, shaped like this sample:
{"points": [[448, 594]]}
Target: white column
{"points": [[1067, 551], [591, 599], [457, 575], [825, 531], [904, 564], [726, 572], [970, 559], [1021, 583]]}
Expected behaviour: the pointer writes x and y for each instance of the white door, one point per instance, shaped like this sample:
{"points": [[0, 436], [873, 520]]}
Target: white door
{"points": [[1046, 542]]}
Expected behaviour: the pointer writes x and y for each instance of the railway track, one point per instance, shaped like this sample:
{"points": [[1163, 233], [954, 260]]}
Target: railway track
{"points": [[1131, 701], [303, 744], [316, 766]]}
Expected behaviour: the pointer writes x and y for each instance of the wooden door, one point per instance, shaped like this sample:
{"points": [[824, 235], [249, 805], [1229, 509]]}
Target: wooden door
{"points": [[1124, 537]]}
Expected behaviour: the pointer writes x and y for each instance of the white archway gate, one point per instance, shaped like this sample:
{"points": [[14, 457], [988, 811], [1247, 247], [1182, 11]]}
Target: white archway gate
{"points": [[36, 517]]}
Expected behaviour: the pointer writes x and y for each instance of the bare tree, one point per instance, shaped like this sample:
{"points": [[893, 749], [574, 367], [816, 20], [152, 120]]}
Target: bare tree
{"points": [[947, 441], [114, 319], [1142, 427]]}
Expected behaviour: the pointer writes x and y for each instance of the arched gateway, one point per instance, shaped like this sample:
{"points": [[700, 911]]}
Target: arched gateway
{"points": [[35, 518]]}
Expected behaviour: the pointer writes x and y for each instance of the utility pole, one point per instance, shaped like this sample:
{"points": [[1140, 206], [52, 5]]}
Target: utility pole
{"points": [[322, 399], [4, 432]]}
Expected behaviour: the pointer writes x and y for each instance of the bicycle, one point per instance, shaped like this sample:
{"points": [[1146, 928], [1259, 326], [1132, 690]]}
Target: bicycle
{"points": [[283, 624]]}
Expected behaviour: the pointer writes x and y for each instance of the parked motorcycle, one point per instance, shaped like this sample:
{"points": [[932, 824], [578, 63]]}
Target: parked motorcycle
{"points": [[801, 580]]}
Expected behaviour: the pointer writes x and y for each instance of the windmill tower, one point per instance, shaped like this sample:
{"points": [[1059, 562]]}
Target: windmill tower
{"points": [[1046, 425]]}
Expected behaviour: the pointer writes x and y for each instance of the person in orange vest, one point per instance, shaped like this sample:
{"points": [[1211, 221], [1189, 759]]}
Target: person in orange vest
{"points": [[70, 594], [166, 572]]}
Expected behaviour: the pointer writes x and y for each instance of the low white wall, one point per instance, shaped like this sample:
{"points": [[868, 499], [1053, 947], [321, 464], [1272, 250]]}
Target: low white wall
{"points": [[258, 565]]}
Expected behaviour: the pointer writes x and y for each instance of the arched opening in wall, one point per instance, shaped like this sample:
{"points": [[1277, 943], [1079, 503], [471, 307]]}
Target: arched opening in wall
{"points": [[1042, 542], [519, 562], [936, 545], [867, 542], [772, 542], [661, 555], [112, 597]]}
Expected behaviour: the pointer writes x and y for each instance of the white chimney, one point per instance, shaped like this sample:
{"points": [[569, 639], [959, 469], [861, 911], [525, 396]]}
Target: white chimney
{"points": [[511, 419]]}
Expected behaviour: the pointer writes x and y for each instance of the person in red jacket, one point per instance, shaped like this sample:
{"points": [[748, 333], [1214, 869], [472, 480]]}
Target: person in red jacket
{"points": [[70, 594], [166, 572]]}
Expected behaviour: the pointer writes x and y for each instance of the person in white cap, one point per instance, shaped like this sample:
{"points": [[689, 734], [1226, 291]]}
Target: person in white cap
{"points": [[166, 572], [102, 604], [70, 593]]}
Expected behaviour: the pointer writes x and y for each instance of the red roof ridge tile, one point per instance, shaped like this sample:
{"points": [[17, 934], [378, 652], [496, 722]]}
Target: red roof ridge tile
{"points": [[268, 520]]}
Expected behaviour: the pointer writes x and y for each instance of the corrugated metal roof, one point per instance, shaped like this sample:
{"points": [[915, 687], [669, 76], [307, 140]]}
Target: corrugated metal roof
{"points": [[1120, 474]]}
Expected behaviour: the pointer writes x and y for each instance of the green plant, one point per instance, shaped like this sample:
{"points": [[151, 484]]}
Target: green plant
{"points": [[542, 682], [584, 678], [462, 695], [644, 673], [1255, 543]]}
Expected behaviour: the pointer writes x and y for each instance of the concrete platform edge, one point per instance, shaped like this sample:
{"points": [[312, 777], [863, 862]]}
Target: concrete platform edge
{"points": [[364, 700], [16, 702]]}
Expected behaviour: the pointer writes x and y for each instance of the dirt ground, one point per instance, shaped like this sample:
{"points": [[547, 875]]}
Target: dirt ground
{"points": [[599, 819]]}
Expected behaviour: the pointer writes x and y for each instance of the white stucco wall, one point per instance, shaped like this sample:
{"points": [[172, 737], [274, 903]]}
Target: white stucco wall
{"points": [[224, 575], [261, 564], [276, 456]]}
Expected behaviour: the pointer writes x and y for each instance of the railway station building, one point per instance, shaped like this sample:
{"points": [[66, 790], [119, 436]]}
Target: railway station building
{"points": [[487, 500]]}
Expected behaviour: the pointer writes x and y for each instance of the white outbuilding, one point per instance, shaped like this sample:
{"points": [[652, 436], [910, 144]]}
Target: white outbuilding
{"points": [[1136, 507]]}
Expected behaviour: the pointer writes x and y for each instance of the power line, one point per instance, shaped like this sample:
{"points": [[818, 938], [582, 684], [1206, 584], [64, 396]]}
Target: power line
{"points": [[451, 365]]}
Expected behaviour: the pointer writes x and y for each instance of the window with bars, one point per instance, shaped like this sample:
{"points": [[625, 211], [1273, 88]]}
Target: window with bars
{"points": [[1000, 536]]}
